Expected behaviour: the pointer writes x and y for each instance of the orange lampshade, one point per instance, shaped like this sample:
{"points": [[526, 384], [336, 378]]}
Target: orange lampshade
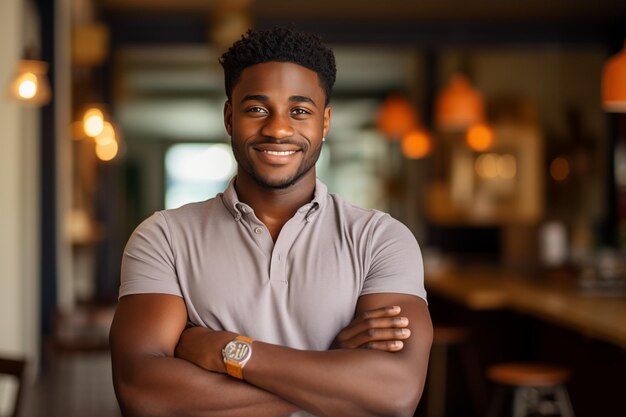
{"points": [[480, 137], [396, 117], [416, 144], [459, 105], [614, 83]]}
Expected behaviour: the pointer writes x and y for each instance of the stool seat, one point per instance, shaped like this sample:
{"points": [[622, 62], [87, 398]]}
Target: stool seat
{"points": [[528, 374], [538, 389]]}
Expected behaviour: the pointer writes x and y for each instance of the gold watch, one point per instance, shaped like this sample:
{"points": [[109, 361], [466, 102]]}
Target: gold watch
{"points": [[236, 354]]}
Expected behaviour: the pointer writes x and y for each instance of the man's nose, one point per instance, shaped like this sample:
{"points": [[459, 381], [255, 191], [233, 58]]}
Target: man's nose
{"points": [[278, 126]]}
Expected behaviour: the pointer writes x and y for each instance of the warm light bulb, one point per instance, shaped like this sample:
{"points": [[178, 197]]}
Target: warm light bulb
{"points": [[479, 137], [108, 151], [106, 136], [486, 165], [416, 144], [30, 84], [27, 87], [93, 122], [507, 166]]}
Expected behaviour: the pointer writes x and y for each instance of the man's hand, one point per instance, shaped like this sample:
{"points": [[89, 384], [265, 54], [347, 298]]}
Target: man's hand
{"points": [[203, 347], [381, 329]]}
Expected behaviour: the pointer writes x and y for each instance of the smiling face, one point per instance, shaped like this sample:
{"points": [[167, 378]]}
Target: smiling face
{"points": [[276, 119]]}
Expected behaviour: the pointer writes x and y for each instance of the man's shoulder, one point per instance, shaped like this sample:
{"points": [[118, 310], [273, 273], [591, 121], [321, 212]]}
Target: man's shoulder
{"points": [[193, 211], [368, 220], [355, 213], [188, 216]]}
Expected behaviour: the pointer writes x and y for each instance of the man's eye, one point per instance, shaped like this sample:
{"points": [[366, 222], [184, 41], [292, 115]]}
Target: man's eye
{"points": [[300, 111], [256, 110]]}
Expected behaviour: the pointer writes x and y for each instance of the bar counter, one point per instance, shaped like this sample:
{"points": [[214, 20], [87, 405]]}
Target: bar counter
{"points": [[552, 297]]}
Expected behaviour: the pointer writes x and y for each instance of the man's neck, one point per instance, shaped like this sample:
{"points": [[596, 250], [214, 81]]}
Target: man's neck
{"points": [[273, 206]]}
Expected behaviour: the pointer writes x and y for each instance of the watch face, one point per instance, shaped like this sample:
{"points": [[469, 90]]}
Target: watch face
{"points": [[237, 351]]}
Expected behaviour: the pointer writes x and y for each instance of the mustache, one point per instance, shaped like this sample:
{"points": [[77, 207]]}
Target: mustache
{"points": [[304, 145]]}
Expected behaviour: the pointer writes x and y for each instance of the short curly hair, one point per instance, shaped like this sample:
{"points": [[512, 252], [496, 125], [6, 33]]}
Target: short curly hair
{"points": [[280, 44]]}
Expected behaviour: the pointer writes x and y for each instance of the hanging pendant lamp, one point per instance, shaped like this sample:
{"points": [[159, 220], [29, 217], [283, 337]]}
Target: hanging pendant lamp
{"points": [[459, 105], [614, 83]]}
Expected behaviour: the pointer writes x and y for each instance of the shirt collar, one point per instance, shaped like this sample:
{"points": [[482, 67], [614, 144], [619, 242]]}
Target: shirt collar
{"points": [[237, 208]]}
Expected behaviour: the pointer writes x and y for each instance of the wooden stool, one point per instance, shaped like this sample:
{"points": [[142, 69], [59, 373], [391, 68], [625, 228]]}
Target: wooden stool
{"points": [[538, 389], [444, 337]]}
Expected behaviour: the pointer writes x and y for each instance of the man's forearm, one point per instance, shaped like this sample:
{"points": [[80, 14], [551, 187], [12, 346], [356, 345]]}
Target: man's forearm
{"points": [[355, 382], [165, 386], [340, 382]]}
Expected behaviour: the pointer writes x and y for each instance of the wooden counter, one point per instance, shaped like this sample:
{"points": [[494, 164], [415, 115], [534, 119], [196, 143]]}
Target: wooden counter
{"points": [[554, 299]]}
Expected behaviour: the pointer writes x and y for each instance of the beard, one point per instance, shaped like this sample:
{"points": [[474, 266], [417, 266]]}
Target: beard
{"points": [[308, 163]]}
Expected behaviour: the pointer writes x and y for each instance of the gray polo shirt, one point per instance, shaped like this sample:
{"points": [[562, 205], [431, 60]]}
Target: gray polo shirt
{"points": [[299, 291]]}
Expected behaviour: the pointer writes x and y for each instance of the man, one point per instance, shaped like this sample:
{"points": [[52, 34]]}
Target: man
{"points": [[275, 297]]}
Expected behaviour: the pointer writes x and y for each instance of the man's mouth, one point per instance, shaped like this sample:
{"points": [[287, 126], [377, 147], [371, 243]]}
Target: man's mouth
{"points": [[280, 153]]}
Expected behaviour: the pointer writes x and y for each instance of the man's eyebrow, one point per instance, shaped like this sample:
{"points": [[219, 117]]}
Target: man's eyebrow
{"points": [[292, 99], [255, 97], [302, 99]]}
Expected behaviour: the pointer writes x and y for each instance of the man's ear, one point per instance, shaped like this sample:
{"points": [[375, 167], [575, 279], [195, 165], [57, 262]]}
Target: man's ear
{"points": [[228, 117], [327, 117]]}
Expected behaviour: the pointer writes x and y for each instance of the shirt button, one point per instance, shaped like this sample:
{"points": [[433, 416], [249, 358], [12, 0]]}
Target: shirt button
{"points": [[258, 230]]}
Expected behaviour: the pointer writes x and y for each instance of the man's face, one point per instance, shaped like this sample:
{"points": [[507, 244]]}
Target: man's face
{"points": [[276, 119]]}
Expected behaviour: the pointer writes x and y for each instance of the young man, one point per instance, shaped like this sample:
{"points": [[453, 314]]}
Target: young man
{"points": [[275, 297]]}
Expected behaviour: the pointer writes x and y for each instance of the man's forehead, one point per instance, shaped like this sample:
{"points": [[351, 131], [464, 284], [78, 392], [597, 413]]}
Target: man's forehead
{"points": [[274, 76]]}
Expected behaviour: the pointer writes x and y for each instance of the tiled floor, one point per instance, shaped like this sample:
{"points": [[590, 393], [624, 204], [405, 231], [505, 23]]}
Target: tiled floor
{"points": [[76, 386]]}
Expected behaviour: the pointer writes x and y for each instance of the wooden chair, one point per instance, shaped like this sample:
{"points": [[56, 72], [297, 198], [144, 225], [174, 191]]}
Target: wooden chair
{"points": [[17, 369]]}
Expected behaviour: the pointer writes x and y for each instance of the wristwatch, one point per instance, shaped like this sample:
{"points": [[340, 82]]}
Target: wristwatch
{"points": [[236, 354]]}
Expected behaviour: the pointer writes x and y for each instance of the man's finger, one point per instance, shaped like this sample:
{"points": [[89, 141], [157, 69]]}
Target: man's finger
{"points": [[388, 311], [375, 335], [363, 326], [387, 345]]}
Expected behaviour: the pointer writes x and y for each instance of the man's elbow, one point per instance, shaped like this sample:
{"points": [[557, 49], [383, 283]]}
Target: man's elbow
{"points": [[403, 403], [403, 397], [137, 402]]}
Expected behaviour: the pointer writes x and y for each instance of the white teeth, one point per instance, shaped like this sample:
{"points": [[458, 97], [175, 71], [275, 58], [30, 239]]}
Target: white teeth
{"points": [[280, 153]]}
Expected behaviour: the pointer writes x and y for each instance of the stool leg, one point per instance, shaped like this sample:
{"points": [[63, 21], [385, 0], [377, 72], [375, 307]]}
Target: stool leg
{"points": [[437, 376], [563, 401], [495, 407], [520, 401]]}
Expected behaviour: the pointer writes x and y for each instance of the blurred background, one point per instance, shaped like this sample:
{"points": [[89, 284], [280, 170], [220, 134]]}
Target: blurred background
{"points": [[494, 130]]}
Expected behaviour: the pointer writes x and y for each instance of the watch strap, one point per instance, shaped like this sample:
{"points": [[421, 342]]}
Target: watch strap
{"points": [[234, 370], [245, 339]]}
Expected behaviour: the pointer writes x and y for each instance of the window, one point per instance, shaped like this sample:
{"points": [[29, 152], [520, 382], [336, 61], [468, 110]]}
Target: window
{"points": [[196, 172]]}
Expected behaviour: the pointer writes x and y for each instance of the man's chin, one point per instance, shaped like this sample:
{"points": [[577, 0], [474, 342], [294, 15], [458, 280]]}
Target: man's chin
{"points": [[278, 182], [275, 183]]}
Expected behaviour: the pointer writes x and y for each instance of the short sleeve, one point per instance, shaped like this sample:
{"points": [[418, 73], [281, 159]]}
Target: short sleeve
{"points": [[396, 260], [148, 264]]}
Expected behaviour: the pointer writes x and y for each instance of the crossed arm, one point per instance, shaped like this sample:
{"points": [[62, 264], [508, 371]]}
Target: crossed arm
{"points": [[154, 377]]}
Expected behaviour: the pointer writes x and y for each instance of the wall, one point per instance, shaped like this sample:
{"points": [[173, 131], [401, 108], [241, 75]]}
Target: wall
{"points": [[19, 201], [19, 204]]}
